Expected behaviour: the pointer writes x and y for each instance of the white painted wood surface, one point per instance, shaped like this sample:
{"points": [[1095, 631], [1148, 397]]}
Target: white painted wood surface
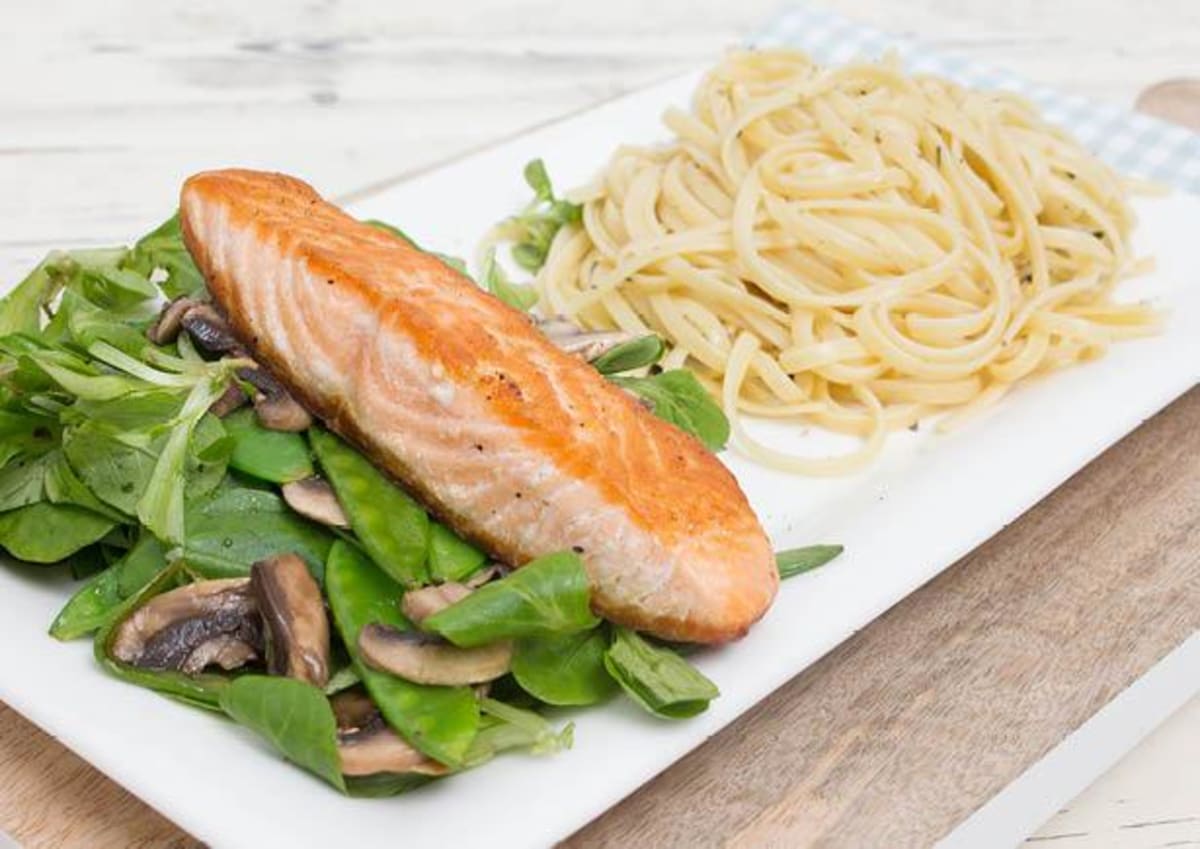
{"points": [[105, 107]]}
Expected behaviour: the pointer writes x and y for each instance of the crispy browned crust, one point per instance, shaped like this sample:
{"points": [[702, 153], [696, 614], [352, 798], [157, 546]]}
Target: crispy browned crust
{"points": [[680, 486]]}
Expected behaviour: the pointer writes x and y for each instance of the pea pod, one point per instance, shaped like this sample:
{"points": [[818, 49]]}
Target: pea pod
{"points": [[392, 527], [547, 597], [94, 602], [440, 721], [275, 456], [451, 558]]}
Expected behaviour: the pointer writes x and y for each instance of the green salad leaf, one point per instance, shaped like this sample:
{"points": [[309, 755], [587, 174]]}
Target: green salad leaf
{"points": [[21, 309], [549, 596], [46, 533], [678, 397], [657, 678], [564, 670], [163, 249], [294, 716], [439, 721], [634, 354], [392, 527], [796, 561], [534, 228], [236, 526], [505, 727], [521, 296]]}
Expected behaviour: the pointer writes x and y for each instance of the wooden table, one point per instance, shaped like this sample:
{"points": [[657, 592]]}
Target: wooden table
{"points": [[108, 106]]}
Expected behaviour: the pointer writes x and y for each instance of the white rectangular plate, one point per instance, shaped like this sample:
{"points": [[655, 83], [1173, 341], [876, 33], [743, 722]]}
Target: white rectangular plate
{"points": [[927, 502]]}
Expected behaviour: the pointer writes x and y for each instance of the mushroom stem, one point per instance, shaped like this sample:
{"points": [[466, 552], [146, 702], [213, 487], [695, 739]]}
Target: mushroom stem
{"points": [[293, 612]]}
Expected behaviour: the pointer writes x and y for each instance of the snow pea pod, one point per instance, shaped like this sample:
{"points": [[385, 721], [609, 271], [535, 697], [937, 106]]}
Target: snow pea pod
{"points": [[451, 558], [275, 456], [392, 527], [440, 721]]}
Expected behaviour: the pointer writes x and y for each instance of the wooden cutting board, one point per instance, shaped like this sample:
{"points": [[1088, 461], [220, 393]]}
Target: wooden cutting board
{"points": [[898, 735]]}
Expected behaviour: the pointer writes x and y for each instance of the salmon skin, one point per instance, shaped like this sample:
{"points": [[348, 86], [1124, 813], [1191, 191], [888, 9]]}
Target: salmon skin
{"points": [[521, 448]]}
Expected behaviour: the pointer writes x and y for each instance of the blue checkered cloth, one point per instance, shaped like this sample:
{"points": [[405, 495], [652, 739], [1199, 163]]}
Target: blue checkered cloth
{"points": [[1135, 144]]}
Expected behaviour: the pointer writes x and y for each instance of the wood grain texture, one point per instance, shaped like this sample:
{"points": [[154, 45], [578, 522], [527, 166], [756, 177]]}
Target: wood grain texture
{"points": [[50, 798], [903, 731]]}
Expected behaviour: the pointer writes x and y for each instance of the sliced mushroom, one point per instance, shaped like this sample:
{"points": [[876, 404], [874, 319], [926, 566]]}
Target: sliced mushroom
{"points": [[294, 620], [165, 330], [368, 746], [314, 498], [193, 627], [424, 659], [587, 344], [276, 408], [209, 329], [419, 605], [231, 399]]}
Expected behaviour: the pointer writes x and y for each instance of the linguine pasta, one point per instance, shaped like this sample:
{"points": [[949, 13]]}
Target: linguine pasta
{"points": [[853, 247]]}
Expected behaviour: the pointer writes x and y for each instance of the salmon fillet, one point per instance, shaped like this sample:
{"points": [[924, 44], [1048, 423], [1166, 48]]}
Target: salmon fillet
{"points": [[518, 446]]}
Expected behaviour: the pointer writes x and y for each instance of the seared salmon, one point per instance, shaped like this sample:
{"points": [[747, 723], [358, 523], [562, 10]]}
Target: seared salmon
{"points": [[518, 446]]}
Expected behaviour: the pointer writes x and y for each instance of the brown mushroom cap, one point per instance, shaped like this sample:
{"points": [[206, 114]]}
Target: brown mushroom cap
{"points": [[276, 408], [429, 660], [314, 498], [209, 329], [233, 398], [192, 627], [293, 615], [165, 329], [368, 746]]}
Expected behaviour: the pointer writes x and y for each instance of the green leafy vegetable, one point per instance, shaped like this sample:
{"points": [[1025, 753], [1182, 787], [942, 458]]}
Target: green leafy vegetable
{"points": [[163, 248], [454, 262], [161, 507], [294, 716], [796, 561], [564, 670], [440, 721], [506, 727], [678, 397], [236, 526], [637, 353], [22, 480], [534, 228], [47, 533], [63, 486], [451, 558], [115, 471], [271, 455], [21, 309], [392, 527], [547, 597], [657, 678], [518, 296]]}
